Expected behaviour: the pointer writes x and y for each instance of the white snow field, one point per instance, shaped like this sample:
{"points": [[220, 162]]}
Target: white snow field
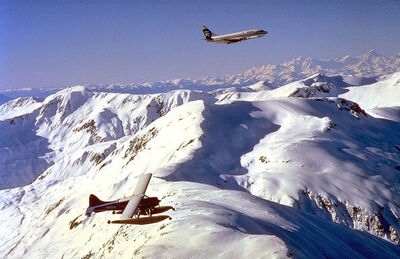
{"points": [[310, 169]]}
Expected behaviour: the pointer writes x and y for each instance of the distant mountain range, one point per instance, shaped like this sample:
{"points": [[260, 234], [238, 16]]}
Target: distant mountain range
{"points": [[370, 65]]}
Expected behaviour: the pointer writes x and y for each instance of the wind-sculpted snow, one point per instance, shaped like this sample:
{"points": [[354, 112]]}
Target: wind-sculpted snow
{"points": [[304, 170]]}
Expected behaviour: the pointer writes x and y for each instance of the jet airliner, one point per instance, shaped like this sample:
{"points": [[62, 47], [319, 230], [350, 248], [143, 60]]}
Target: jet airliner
{"points": [[231, 37]]}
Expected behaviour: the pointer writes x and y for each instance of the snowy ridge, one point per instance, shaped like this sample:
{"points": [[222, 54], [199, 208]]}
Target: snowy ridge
{"points": [[18, 107], [381, 94], [302, 170]]}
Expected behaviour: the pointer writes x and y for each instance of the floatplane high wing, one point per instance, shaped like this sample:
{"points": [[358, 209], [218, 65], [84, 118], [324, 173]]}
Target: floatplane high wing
{"points": [[231, 37], [131, 207]]}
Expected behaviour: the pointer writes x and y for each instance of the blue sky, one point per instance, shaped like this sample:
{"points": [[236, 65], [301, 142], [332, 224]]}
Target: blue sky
{"points": [[62, 43]]}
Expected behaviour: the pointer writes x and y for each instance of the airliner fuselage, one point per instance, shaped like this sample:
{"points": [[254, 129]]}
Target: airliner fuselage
{"points": [[232, 37]]}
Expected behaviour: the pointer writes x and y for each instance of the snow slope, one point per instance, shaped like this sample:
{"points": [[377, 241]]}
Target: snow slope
{"points": [[301, 170], [384, 93], [18, 107]]}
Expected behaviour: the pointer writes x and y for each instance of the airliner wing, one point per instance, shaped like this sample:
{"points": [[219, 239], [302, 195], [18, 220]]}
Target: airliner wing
{"points": [[229, 41], [138, 194]]}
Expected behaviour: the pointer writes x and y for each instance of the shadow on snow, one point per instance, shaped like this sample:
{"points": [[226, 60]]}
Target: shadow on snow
{"points": [[229, 131]]}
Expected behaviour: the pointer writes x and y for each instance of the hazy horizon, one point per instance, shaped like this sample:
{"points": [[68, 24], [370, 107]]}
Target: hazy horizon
{"points": [[53, 44]]}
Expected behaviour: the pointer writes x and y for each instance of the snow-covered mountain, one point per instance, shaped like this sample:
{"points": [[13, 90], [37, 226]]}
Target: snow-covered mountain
{"points": [[367, 67], [370, 64], [308, 169]]}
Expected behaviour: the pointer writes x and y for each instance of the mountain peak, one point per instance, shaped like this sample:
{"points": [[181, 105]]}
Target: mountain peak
{"points": [[371, 53], [345, 58]]}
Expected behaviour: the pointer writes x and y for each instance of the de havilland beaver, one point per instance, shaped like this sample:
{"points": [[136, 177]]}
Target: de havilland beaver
{"points": [[132, 207], [230, 38]]}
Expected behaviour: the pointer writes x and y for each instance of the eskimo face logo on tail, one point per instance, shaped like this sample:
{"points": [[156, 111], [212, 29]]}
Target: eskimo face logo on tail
{"points": [[207, 33]]}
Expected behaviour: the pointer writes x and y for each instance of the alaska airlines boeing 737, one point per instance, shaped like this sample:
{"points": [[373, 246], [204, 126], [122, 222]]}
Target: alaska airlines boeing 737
{"points": [[232, 37]]}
